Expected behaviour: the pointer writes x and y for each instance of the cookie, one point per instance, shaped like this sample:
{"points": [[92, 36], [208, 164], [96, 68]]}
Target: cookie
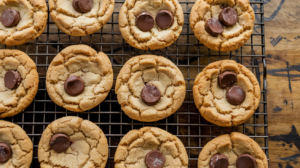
{"points": [[223, 25], [235, 149], [79, 78], [18, 82], [226, 93], [151, 24], [22, 20], [80, 17], [150, 88], [72, 142], [150, 147], [16, 148]]}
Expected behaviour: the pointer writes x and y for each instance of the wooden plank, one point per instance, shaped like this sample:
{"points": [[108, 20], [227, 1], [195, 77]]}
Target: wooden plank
{"points": [[282, 49]]}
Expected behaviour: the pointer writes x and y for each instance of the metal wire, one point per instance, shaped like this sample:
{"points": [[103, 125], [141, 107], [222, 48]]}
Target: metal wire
{"points": [[187, 53]]}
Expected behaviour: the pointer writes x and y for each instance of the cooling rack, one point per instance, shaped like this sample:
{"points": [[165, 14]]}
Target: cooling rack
{"points": [[187, 53]]}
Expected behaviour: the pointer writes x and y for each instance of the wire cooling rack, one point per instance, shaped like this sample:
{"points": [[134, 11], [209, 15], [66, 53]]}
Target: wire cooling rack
{"points": [[187, 53]]}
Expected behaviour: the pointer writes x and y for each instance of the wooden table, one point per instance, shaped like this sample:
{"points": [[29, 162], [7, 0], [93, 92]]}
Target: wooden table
{"points": [[283, 63]]}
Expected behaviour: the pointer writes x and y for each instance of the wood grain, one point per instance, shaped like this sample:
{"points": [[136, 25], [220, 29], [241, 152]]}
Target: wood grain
{"points": [[282, 49]]}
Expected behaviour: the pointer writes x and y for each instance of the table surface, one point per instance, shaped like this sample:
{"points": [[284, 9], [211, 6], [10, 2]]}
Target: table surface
{"points": [[283, 79]]}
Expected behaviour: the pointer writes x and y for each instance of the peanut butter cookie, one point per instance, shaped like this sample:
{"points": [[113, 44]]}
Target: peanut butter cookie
{"points": [[226, 93], [151, 24], [79, 78], [223, 25], [18, 82], [150, 88], [80, 17], [232, 150], [22, 20], [150, 147], [72, 142], [16, 148]]}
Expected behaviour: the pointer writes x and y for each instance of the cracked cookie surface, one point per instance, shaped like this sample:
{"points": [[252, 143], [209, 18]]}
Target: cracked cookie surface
{"points": [[13, 101], [234, 36], [34, 15], [155, 70], [156, 38], [20, 144], [232, 145], [89, 148], [136, 144], [75, 23], [210, 98], [93, 68]]}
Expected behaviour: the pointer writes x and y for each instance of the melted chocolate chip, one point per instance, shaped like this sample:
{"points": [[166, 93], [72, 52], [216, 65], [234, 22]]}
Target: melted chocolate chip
{"points": [[5, 152], [155, 159], [10, 17], [12, 79], [150, 94], [83, 6], [74, 85], [228, 16], [144, 21], [60, 142], [227, 79], [164, 19], [235, 95], [245, 161], [214, 27], [218, 161]]}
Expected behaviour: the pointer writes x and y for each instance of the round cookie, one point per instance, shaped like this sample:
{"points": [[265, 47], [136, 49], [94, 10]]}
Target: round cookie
{"points": [[88, 144], [16, 148], [205, 19], [138, 145], [80, 17], [79, 78], [232, 146], [18, 82], [160, 27], [150, 88], [215, 103], [22, 20]]}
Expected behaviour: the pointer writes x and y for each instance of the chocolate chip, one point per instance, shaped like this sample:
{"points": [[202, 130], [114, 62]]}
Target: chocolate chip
{"points": [[10, 17], [218, 161], [155, 159], [12, 79], [74, 85], [214, 27], [83, 6], [144, 21], [164, 19], [228, 16], [245, 161], [5, 152], [60, 142], [227, 79], [150, 94], [235, 95]]}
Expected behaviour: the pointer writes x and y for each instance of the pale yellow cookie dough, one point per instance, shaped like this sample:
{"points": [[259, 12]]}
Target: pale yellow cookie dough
{"points": [[232, 145], [20, 144], [75, 23], [155, 38], [93, 68], [14, 101], [210, 98], [158, 71], [233, 37], [89, 148], [136, 144], [33, 20]]}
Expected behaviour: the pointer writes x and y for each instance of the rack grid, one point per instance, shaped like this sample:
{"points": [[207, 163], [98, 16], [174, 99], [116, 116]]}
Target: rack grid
{"points": [[187, 53]]}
